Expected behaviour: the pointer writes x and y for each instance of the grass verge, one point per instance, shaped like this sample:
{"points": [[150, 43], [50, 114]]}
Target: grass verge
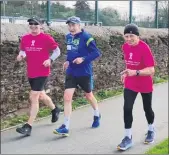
{"points": [[45, 111], [161, 148]]}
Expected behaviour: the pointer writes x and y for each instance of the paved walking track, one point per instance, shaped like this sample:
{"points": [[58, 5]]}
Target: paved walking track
{"points": [[83, 139]]}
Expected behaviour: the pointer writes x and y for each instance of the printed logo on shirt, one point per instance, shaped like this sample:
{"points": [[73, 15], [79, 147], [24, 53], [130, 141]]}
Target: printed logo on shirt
{"points": [[130, 60], [76, 42], [130, 56], [32, 47], [72, 45], [69, 41], [33, 43]]}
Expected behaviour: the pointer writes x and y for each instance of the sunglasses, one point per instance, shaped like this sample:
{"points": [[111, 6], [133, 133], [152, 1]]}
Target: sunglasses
{"points": [[33, 23]]}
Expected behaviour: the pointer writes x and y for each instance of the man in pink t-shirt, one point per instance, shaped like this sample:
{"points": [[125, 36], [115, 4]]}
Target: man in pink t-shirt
{"points": [[137, 78], [35, 47]]}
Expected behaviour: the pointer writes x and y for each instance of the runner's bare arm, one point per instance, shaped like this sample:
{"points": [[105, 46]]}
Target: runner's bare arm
{"points": [[148, 71]]}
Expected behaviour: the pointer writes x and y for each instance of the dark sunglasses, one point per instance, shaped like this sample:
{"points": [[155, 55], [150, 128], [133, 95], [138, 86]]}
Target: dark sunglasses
{"points": [[33, 23]]}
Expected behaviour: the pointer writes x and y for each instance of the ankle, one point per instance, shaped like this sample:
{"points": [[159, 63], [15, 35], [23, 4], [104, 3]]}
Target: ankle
{"points": [[151, 127], [128, 133], [96, 112], [28, 125], [66, 122], [56, 109]]}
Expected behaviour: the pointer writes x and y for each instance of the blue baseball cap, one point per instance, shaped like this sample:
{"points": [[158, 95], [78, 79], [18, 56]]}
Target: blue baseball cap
{"points": [[73, 19]]}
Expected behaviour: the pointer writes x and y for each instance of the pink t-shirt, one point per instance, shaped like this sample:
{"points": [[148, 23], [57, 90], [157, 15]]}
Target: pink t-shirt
{"points": [[137, 58], [37, 49]]}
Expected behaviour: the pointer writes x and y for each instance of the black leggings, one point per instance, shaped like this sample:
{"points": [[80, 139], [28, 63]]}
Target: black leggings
{"points": [[129, 99]]}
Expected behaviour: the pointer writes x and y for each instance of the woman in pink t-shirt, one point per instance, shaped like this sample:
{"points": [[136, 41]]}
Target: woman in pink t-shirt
{"points": [[137, 78]]}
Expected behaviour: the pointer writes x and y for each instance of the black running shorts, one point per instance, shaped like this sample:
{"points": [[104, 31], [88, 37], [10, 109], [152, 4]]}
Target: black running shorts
{"points": [[38, 84], [85, 82]]}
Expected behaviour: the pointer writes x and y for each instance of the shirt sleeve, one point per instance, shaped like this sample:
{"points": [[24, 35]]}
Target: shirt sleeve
{"points": [[94, 52], [122, 49], [52, 44], [123, 55], [22, 47], [66, 46], [148, 58]]}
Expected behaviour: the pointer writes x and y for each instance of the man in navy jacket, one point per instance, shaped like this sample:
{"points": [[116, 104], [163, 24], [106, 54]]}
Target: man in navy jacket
{"points": [[81, 51]]}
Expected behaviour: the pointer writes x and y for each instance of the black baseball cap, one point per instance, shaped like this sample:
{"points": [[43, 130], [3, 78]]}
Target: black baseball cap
{"points": [[132, 29], [34, 19]]}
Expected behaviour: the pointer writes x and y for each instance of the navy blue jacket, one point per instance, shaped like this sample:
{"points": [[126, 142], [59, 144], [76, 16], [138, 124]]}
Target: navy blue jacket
{"points": [[81, 45]]}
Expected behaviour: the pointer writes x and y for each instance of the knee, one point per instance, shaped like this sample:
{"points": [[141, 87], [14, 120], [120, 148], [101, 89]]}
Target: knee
{"points": [[89, 96], [41, 97], [34, 96], [67, 97]]}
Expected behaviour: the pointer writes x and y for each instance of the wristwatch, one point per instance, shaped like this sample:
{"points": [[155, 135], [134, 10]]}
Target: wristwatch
{"points": [[137, 72]]}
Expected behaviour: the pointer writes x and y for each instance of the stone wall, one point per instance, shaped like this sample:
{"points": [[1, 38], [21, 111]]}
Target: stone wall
{"points": [[15, 87]]}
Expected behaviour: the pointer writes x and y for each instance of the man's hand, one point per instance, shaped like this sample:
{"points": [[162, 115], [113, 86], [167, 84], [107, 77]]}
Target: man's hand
{"points": [[123, 78], [128, 72], [47, 63], [65, 65], [78, 60], [19, 58]]}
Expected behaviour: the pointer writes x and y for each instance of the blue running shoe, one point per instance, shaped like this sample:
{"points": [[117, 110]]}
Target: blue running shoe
{"points": [[125, 144], [96, 122], [150, 137], [62, 131]]}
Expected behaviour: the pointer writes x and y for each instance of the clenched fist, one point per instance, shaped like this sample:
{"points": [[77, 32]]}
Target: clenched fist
{"points": [[47, 63]]}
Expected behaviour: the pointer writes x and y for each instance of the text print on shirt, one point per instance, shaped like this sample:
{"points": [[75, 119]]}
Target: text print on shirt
{"points": [[129, 61], [33, 48]]}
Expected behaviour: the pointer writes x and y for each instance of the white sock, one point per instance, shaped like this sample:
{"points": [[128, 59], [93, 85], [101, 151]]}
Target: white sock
{"points": [[128, 133], [96, 112], [151, 127], [67, 122]]}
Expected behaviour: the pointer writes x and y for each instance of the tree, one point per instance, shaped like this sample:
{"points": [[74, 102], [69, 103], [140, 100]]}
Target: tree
{"points": [[109, 16], [82, 10], [163, 14], [33, 8], [60, 11], [16, 3]]}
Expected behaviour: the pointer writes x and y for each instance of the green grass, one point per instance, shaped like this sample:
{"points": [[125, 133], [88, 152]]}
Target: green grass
{"points": [[160, 80], [79, 102], [161, 148], [104, 94], [45, 111], [13, 121]]}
